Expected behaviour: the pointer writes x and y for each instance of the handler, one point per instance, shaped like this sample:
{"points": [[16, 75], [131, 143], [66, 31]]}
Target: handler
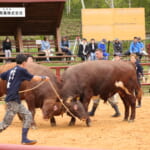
{"points": [[14, 78], [112, 100]]}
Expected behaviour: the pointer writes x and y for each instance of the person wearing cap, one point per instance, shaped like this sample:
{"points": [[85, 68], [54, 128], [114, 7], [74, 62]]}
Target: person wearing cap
{"points": [[102, 45], [117, 46], [83, 50]]}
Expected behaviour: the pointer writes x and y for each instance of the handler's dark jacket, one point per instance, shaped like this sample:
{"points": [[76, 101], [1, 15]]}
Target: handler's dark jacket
{"points": [[92, 49]]}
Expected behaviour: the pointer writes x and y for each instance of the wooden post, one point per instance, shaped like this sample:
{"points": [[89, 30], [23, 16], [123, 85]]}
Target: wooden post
{"points": [[18, 38], [58, 39]]}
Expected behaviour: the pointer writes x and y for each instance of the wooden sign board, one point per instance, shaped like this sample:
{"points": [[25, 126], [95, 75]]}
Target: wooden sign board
{"points": [[111, 23]]}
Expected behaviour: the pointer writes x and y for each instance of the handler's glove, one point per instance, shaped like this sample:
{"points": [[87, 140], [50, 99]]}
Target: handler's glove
{"points": [[45, 78]]}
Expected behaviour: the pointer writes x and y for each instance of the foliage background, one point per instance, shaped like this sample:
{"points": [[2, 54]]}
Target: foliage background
{"points": [[71, 23]]}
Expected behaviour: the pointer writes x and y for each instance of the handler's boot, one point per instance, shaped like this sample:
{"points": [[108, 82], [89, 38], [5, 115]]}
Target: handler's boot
{"points": [[25, 140], [117, 113], [139, 104], [92, 112]]}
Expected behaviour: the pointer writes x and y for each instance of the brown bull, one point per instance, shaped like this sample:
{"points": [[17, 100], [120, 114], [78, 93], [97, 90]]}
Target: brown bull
{"points": [[102, 79], [42, 97]]}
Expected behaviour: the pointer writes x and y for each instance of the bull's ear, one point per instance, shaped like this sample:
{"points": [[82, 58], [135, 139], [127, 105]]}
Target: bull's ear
{"points": [[75, 107], [69, 99], [55, 108]]}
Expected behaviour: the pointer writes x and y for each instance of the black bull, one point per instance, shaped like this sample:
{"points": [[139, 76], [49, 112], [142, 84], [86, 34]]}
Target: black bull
{"points": [[102, 79]]}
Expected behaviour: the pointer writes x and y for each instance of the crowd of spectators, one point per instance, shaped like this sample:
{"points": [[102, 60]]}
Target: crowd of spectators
{"points": [[87, 50]]}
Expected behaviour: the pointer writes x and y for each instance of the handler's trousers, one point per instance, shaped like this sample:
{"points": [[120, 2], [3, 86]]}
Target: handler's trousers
{"points": [[12, 108]]}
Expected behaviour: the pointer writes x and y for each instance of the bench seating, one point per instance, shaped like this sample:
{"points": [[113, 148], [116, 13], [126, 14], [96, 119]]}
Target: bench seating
{"points": [[57, 58]]}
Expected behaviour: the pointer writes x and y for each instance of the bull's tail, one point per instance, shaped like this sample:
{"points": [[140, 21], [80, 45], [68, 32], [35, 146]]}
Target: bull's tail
{"points": [[121, 85], [138, 94]]}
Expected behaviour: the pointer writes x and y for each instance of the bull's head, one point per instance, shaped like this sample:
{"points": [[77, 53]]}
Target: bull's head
{"points": [[51, 108], [76, 107]]}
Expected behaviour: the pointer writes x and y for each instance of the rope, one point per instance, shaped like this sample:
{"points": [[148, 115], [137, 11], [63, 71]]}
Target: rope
{"points": [[32, 88], [27, 90], [60, 99]]}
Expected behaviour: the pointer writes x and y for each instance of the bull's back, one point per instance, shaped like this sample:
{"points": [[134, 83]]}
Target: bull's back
{"points": [[101, 69]]}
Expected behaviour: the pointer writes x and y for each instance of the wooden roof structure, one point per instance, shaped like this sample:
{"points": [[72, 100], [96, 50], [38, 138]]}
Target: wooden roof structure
{"points": [[43, 17]]}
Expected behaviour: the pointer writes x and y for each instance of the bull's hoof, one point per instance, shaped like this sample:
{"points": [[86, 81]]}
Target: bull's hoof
{"points": [[88, 122], [130, 121], [71, 124], [53, 124], [138, 106], [125, 120]]}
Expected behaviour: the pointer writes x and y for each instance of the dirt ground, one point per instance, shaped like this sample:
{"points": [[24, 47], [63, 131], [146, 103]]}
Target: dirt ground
{"points": [[105, 133]]}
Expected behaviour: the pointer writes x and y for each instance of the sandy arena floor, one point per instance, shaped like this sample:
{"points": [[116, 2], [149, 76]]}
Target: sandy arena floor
{"points": [[106, 132]]}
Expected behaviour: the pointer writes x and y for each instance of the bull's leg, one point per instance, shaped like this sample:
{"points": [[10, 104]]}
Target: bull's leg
{"points": [[133, 107], [86, 100], [53, 122], [33, 124], [138, 93], [88, 120], [72, 121], [126, 106]]}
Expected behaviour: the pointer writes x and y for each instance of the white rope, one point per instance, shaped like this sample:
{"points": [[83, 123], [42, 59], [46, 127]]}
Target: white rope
{"points": [[27, 90], [60, 99]]}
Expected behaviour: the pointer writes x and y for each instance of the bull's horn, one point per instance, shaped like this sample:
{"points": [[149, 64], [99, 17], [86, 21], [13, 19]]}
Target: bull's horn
{"points": [[78, 98], [69, 99]]}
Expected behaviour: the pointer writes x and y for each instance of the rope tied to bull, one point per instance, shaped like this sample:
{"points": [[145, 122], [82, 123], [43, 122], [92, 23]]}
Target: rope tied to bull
{"points": [[60, 99], [27, 90]]}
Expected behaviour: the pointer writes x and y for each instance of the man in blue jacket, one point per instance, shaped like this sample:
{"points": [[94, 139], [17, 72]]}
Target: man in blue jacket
{"points": [[134, 48]]}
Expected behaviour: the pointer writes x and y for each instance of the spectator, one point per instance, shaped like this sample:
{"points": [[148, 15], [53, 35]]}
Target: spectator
{"points": [[111, 100], [117, 57], [65, 46], [7, 47], [30, 58], [102, 45], [92, 48], [139, 71], [83, 50], [99, 54], [142, 47], [134, 48], [45, 47], [117, 46]]}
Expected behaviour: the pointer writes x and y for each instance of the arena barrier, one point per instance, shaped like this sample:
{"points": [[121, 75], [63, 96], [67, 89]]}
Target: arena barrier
{"points": [[31, 147], [58, 70]]}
